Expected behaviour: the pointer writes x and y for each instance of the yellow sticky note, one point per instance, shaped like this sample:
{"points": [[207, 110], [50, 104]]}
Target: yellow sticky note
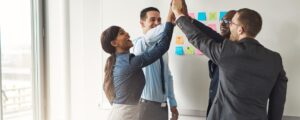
{"points": [[212, 16], [179, 40], [190, 50]]}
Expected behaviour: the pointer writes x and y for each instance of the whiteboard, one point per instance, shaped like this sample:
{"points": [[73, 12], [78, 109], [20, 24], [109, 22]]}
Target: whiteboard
{"points": [[280, 32]]}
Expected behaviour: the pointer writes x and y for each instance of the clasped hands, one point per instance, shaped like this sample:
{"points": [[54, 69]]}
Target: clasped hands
{"points": [[178, 8]]}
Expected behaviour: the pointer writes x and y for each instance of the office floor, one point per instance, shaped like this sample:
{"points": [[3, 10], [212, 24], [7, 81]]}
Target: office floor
{"points": [[105, 113], [191, 118], [203, 118]]}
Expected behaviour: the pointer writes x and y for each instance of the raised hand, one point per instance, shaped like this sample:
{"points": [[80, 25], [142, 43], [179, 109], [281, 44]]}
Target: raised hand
{"points": [[178, 7], [185, 11], [171, 16]]}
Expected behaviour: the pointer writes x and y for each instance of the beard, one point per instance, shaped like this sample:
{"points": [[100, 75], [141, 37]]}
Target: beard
{"points": [[225, 34]]}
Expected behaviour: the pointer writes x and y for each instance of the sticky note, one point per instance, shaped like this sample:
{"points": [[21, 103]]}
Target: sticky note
{"points": [[179, 40], [179, 50], [190, 50], [222, 14], [198, 52], [202, 16], [192, 15], [213, 26], [212, 16]]}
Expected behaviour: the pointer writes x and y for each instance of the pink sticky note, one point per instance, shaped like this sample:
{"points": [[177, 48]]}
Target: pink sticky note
{"points": [[198, 52], [213, 26], [192, 15]]}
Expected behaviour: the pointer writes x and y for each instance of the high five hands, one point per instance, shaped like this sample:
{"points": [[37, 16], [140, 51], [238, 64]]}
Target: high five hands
{"points": [[179, 8]]}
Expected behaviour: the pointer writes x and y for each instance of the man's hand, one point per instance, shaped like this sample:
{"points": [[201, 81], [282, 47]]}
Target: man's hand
{"points": [[171, 16], [174, 113], [179, 8], [185, 11]]}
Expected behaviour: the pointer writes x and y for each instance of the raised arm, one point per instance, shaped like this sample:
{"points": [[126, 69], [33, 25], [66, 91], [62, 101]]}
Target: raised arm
{"points": [[208, 31], [205, 29], [155, 34], [150, 39], [198, 38], [211, 48]]}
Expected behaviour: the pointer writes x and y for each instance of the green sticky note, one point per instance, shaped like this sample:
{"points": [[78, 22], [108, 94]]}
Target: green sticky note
{"points": [[212, 16], [190, 50]]}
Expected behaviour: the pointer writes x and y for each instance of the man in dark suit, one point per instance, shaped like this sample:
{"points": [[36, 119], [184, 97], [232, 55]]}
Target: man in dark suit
{"points": [[250, 74], [213, 67]]}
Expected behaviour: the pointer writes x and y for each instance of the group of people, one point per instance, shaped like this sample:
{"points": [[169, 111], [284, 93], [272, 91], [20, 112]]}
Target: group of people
{"points": [[248, 81]]}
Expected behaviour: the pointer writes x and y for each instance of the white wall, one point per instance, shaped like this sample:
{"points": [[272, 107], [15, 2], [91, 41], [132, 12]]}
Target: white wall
{"points": [[86, 65], [74, 66], [57, 60], [75, 58]]}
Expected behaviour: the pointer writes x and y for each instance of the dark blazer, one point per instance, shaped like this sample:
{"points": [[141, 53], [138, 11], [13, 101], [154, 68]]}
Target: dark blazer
{"points": [[213, 67], [250, 75], [214, 82]]}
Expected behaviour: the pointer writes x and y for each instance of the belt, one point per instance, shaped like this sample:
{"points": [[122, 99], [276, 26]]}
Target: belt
{"points": [[162, 104]]}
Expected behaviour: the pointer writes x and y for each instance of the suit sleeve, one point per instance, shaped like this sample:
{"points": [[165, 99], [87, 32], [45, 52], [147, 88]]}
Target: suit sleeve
{"points": [[208, 31], [277, 97], [210, 47]]}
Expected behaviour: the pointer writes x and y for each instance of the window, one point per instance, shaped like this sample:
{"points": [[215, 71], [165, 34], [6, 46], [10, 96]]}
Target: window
{"points": [[20, 59]]}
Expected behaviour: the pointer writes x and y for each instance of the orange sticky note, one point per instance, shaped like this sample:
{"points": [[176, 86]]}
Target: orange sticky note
{"points": [[179, 40]]}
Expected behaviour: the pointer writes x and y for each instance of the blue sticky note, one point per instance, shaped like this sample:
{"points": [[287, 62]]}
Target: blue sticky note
{"points": [[201, 16], [179, 50], [222, 14]]}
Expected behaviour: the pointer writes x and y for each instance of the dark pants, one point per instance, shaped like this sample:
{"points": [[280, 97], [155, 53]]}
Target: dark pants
{"points": [[210, 101], [150, 110], [213, 88]]}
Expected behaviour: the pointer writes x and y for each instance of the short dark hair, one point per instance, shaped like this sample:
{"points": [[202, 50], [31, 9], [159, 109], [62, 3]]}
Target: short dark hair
{"points": [[143, 13], [250, 20]]}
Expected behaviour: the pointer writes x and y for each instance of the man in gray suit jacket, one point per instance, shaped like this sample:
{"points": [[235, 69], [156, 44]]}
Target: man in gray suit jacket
{"points": [[251, 76]]}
